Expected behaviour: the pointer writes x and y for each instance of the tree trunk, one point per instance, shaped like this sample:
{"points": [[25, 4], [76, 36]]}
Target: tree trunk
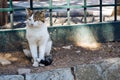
{"points": [[3, 15], [118, 9]]}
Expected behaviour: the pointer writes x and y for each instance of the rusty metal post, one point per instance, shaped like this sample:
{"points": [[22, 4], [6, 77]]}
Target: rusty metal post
{"points": [[3, 15]]}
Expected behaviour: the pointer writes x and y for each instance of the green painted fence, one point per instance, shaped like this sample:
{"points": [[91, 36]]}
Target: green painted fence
{"points": [[10, 39], [68, 7]]}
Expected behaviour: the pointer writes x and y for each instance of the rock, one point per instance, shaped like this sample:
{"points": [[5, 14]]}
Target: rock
{"points": [[78, 51], [24, 71], [58, 74], [112, 72], [4, 62], [107, 69], [11, 77], [67, 47], [88, 72], [106, 63]]}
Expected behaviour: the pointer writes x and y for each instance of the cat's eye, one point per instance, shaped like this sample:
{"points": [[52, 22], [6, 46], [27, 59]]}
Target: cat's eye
{"points": [[29, 19], [35, 20]]}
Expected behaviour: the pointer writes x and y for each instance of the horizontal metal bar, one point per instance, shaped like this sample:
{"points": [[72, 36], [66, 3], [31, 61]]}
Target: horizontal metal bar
{"points": [[57, 7], [6, 9], [65, 26], [85, 24], [66, 7]]}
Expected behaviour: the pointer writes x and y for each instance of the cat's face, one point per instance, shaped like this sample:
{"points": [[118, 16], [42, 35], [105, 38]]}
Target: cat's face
{"points": [[35, 19]]}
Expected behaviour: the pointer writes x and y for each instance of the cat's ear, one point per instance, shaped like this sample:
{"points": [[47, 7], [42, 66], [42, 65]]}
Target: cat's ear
{"points": [[29, 12], [43, 12]]}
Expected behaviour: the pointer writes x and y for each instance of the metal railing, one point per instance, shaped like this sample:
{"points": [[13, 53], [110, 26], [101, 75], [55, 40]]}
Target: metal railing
{"points": [[68, 7]]}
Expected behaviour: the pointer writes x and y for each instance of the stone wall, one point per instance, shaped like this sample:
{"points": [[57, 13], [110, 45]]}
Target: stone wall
{"points": [[108, 69]]}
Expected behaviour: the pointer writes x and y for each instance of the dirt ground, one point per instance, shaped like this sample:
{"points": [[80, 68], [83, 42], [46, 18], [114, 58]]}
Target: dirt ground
{"points": [[63, 56]]}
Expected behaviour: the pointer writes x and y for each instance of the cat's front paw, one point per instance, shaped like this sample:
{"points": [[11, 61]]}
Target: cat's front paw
{"points": [[39, 60], [35, 64], [41, 65]]}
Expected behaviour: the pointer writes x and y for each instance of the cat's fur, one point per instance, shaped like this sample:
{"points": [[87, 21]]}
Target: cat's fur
{"points": [[37, 36]]}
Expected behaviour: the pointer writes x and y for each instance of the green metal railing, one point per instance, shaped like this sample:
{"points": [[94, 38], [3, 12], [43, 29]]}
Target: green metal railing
{"points": [[68, 7]]}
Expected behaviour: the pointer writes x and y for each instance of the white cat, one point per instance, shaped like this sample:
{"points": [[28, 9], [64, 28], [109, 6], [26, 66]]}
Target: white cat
{"points": [[38, 37]]}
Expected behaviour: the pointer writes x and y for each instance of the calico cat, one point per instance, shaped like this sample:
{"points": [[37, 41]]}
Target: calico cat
{"points": [[38, 38]]}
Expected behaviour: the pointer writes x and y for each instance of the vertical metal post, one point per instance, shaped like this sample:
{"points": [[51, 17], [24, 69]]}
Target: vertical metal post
{"points": [[3, 15], [31, 4], [68, 12], [11, 13], [50, 10], [115, 11], [85, 11], [100, 10]]}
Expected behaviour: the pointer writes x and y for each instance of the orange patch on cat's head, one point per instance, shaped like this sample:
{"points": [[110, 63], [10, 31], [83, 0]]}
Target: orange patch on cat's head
{"points": [[39, 16]]}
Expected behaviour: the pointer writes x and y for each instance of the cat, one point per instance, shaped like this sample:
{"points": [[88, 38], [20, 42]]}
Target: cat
{"points": [[25, 46], [38, 38]]}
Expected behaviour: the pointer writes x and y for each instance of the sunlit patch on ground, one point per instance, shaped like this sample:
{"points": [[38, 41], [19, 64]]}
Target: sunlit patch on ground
{"points": [[91, 46]]}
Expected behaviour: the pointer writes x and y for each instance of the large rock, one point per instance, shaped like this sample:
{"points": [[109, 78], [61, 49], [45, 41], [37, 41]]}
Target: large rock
{"points": [[24, 71], [106, 63], [88, 72], [59, 74], [108, 69], [12, 77], [112, 71], [4, 62]]}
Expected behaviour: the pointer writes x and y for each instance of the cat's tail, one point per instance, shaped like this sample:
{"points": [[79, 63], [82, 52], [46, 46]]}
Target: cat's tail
{"points": [[26, 49], [27, 52]]}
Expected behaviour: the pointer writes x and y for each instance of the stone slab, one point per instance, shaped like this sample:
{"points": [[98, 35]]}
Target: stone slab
{"points": [[58, 74], [11, 77]]}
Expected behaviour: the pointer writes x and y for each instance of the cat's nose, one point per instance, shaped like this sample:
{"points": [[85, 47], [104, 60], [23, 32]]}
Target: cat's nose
{"points": [[31, 24]]}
